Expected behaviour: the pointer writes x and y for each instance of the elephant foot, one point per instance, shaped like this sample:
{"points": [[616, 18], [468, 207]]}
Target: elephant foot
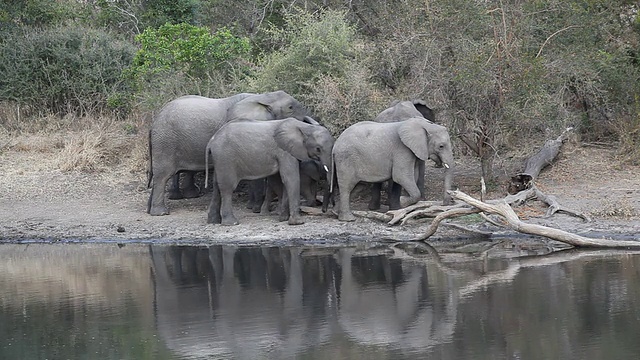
{"points": [[191, 193], [214, 219], [393, 206], [229, 221], [295, 220], [346, 217], [175, 195], [158, 211], [283, 217], [257, 209], [374, 206], [406, 201], [310, 203]]}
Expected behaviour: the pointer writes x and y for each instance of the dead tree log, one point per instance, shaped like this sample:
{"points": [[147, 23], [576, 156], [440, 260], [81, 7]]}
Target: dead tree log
{"points": [[536, 162], [512, 221]]}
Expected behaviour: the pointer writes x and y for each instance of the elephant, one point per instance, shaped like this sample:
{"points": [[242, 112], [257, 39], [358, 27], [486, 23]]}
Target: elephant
{"points": [[183, 127], [253, 149], [311, 173], [398, 111], [374, 152]]}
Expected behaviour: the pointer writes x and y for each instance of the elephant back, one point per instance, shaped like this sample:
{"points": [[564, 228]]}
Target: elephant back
{"points": [[403, 110]]}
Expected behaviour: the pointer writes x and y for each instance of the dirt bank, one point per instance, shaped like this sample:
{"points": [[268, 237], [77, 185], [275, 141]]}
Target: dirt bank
{"points": [[40, 202]]}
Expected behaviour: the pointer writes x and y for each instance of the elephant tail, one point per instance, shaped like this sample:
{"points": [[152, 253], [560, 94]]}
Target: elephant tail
{"points": [[150, 169], [206, 167]]}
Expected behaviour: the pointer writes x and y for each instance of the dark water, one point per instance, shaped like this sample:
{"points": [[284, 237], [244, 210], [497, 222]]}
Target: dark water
{"points": [[100, 301]]}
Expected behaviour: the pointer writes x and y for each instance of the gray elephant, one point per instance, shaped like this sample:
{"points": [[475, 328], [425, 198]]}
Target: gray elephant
{"points": [[399, 111], [311, 174], [374, 152], [250, 149], [183, 127]]}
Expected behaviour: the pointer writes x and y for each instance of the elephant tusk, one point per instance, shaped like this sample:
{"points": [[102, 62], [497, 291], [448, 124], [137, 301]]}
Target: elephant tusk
{"points": [[326, 169], [446, 166]]}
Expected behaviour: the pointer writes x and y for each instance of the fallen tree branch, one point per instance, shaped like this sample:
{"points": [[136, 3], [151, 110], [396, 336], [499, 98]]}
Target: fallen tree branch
{"points": [[444, 215], [536, 162], [513, 222]]}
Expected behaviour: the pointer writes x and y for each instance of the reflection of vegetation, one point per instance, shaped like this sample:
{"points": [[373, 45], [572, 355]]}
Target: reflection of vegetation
{"points": [[58, 329], [73, 302]]}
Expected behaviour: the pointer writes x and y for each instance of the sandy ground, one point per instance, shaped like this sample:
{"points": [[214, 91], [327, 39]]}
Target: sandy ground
{"points": [[39, 202]]}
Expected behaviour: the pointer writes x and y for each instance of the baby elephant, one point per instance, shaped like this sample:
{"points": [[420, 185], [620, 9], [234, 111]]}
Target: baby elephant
{"points": [[374, 152], [252, 149]]}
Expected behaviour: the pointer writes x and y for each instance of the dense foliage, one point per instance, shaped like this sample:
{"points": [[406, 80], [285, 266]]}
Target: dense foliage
{"points": [[499, 73]]}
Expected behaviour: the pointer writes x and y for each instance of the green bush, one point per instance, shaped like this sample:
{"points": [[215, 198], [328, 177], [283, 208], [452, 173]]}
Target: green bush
{"points": [[309, 46], [191, 49], [318, 59], [178, 59], [62, 70]]}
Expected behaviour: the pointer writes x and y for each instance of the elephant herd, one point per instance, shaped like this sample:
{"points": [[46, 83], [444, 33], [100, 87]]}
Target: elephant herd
{"points": [[270, 140]]}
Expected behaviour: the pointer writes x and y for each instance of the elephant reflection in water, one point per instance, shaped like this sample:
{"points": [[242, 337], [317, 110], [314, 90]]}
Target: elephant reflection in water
{"points": [[247, 302], [397, 308], [242, 301]]}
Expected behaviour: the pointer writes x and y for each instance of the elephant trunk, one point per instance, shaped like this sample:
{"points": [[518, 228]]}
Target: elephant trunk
{"points": [[448, 180], [329, 186]]}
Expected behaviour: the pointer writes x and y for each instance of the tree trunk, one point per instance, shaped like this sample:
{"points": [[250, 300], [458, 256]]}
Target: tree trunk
{"points": [[536, 162]]}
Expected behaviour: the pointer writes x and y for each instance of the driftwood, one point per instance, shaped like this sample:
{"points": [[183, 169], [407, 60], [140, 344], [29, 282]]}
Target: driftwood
{"points": [[512, 221], [536, 162]]}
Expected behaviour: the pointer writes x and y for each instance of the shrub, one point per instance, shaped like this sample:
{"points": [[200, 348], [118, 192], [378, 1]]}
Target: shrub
{"points": [[311, 46], [318, 59], [63, 70], [182, 58]]}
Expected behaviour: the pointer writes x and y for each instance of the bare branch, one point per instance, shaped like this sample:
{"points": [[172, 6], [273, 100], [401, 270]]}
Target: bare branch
{"points": [[554, 34]]}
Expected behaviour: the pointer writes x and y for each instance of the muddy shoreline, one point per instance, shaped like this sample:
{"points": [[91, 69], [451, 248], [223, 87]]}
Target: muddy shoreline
{"points": [[42, 204]]}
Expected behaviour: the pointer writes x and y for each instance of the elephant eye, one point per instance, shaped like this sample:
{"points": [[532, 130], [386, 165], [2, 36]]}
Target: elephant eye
{"points": [[318, 149]]}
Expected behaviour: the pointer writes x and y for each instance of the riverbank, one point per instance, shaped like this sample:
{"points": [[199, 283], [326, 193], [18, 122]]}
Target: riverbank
{"points": [[42, 202]]}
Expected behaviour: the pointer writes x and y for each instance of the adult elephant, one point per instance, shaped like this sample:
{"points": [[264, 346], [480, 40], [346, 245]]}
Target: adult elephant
{"points": [[251, 149], [374, 152], [180, 132], [399, 111]]}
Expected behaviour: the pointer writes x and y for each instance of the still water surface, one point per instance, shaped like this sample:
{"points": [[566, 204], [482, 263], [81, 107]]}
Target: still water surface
{"points": [[102, 301]]}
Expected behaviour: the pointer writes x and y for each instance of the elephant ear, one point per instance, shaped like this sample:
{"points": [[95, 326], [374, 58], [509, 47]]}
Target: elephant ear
{"points": [[414, 135], [290, 136], [266, 106], [310, 120], [425, 110]]}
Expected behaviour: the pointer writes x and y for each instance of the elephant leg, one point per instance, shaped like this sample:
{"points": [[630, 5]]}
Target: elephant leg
{"points": [[226, 185], [274, 187], [290, 174], [283, 206], [214, 207], [308, 190], [409, 184], [189, 188], [156, 205], [346, 183], [374, 203], [420, 181], [174, 192], [394, 190], [256, 195]]}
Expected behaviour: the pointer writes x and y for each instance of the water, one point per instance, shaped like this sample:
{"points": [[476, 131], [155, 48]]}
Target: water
{"points": [[102, 301]]}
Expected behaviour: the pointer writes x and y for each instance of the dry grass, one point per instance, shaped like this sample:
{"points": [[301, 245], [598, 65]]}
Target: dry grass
{"points": [[622, 210], [88, 144]]}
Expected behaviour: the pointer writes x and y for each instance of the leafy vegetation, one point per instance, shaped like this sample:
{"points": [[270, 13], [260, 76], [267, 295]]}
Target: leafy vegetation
{"points": [[502, 75]]}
